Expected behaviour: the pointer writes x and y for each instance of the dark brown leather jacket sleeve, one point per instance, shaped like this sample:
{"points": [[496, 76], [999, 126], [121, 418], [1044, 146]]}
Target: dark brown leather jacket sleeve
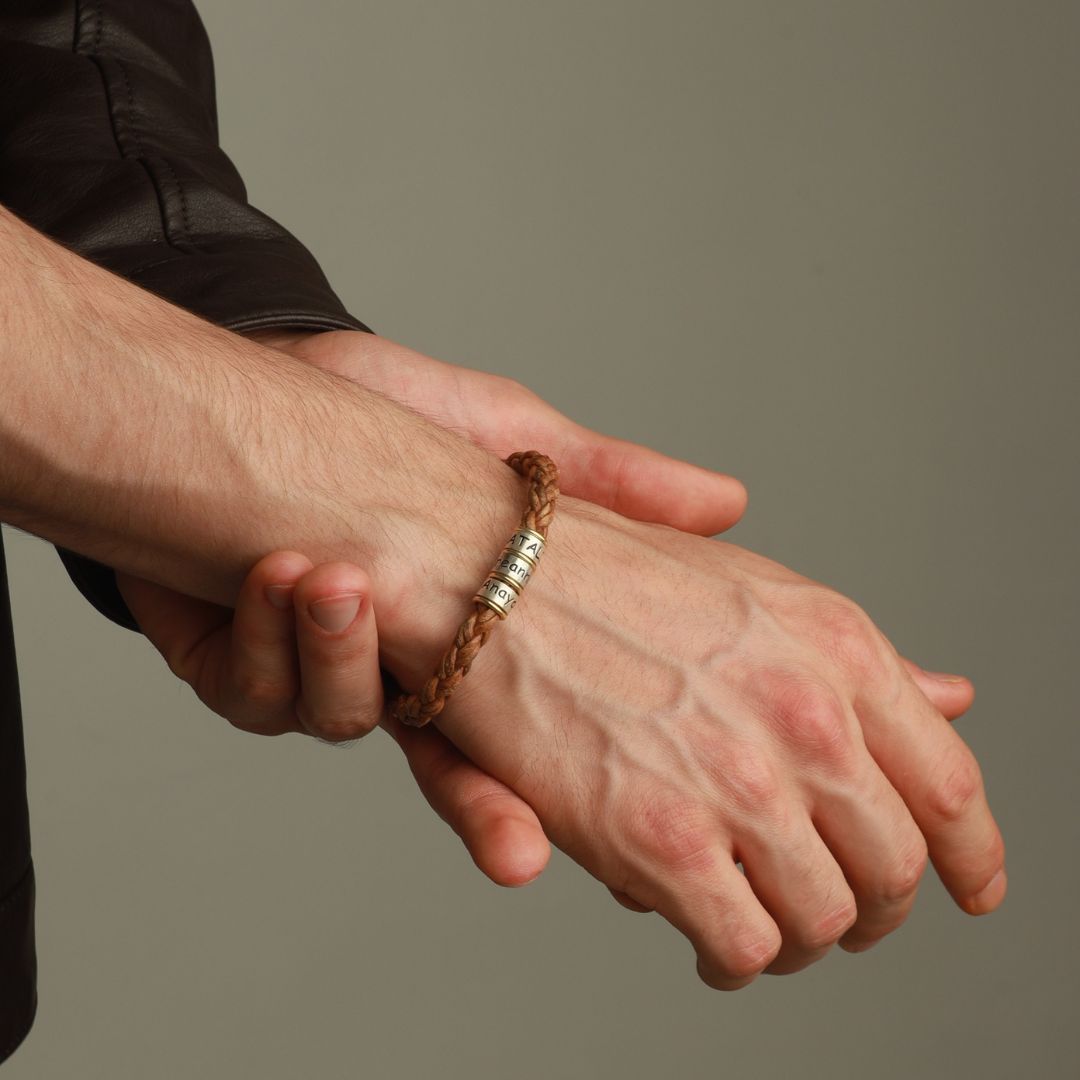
{"points": [[109, 144]]}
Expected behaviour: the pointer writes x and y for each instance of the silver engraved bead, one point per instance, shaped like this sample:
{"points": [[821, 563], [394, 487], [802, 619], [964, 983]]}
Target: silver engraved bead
{"points": [[513, 569], [498, 595], [526, 542]]}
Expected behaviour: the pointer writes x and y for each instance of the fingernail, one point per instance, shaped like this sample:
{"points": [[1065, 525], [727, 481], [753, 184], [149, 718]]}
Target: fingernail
{"points": [[279, 595], [944, 676], [987, 899], [335, 613]]}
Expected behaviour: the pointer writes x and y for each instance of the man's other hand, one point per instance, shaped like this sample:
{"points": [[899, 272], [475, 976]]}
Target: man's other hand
{"points": [[300, 654]]}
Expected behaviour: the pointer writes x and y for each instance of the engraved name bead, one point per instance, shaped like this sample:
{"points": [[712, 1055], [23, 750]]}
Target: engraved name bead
{"points": [[526, 542], [513, 569], [498, 596]]}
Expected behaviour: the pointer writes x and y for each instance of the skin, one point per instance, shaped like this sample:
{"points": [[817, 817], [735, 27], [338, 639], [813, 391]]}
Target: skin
{"points": [[270, 668], [754, 719], [675, 709]]}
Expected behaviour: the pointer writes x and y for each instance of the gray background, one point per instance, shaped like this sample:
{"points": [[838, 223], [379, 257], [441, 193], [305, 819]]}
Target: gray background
{"points": [[829, 248]]}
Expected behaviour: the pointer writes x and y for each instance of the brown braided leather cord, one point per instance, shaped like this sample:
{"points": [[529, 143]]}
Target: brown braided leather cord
{"points": [[417, 709]]}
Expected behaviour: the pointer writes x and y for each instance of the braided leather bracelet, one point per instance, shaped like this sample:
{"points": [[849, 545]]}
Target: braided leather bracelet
{"points": [[497, 596]]}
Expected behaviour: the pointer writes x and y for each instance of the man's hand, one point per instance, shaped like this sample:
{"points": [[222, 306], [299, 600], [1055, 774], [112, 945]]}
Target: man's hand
{"points": [[502, 415], [272, 670], [670, 705], [267, 664], [300, 653], [674, 708]]}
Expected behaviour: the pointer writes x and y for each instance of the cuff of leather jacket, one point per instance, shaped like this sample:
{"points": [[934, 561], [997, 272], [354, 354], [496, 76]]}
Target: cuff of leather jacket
{"points": [[220, 288], [241, 284]]}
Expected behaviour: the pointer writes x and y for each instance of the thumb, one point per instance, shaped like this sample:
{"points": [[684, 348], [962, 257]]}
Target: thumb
{"points": [[646, 485]]}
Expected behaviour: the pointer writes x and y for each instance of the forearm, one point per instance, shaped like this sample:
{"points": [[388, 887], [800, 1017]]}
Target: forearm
{"points": [[121, 431], [140, 435], [109, 144]]}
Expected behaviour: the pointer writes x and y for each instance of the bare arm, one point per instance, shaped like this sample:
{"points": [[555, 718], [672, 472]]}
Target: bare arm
{"points": [[140, 435]]}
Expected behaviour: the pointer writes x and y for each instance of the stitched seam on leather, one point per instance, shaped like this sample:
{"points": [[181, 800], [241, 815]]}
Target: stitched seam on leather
{"points": [[133, 127], [172, 258], [143, 158], [186, 221], [13, 894], [94, 55]]}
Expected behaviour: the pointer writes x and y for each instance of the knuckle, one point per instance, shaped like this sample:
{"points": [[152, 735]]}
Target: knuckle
{"points": [[852, 638], [517, 387], [960, 783], [901, 879], [752, 783], [333, 728], [827, 929], [255, 728], [749, 956], [672, 830], [811, 719], [264, 692]]}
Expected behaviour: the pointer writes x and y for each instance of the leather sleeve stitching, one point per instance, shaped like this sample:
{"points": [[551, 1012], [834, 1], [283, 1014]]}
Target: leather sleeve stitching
{"points": [[184, 218], [132, 126], [98, 30], [122, 132]]}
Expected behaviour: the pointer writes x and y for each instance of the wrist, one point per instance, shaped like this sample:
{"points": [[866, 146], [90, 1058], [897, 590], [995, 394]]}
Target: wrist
{"points": [[422, 509], [432, 557], [428, 574], [426, 622]]}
